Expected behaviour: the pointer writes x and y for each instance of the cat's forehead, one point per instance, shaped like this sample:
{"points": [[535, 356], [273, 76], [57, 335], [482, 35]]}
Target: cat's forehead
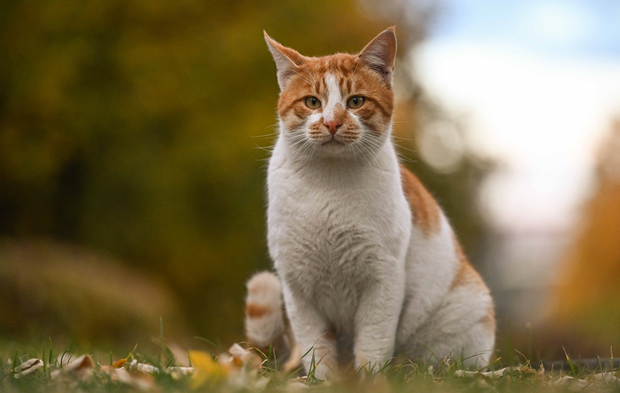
{"points": [[344, 70], [340, 64]]}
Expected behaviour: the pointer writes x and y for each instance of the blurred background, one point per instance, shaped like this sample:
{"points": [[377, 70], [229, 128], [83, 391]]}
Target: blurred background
{"points": [[134, 137]]}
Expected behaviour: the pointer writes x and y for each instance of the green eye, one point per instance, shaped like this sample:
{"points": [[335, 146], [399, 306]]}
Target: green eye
{"points": [[312, 102], [355, 102]]}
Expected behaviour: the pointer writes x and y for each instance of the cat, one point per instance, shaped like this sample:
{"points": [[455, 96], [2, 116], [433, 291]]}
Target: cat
{"points": [[367, 264]]}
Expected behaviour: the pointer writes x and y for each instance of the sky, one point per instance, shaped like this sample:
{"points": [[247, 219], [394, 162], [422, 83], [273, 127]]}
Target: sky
{"points": [[536, 84]]}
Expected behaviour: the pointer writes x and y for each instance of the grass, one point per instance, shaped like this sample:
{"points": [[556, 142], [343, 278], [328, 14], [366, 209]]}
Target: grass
{"points": [[240, 374]]}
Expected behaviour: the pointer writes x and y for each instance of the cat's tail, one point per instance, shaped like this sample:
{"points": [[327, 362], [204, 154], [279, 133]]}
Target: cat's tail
{"points": [[264, 317]]}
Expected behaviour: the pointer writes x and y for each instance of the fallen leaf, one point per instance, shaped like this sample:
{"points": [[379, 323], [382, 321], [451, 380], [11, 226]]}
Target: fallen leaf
{"points": [[228, 362], [81, 368], [248, 359], [27, 367], [206, 369], [607, 377], [487, 374], [119, 363], [136, 379], [180, 370], [146, 368], [574, 384]]}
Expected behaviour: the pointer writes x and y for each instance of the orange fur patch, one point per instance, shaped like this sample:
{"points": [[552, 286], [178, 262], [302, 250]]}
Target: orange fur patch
{"points": [[466, 272], [467, 275], [489, 319], [426, 212], [256, 311]]}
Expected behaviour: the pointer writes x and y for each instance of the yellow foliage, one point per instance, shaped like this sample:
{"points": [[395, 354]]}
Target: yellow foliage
{"points": [[587, 294], [206, 369]]}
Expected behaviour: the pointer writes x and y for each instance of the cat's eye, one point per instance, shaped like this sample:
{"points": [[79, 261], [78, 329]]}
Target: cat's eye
{"points": [[355, 102], [312, 102]]}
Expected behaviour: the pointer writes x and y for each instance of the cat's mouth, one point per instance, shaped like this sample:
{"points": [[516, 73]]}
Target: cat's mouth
{"points": [[332, 142]]}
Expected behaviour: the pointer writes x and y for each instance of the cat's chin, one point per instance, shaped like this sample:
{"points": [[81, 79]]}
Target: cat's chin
{"points": [[333, 142], [333, 148]]}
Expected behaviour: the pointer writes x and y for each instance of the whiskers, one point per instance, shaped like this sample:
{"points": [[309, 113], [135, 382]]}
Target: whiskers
{"points": [[265, 160], [399, 147], [271, 134], [305, 147], [370, 147], [405, 158], [363, 148], [269, 148]]}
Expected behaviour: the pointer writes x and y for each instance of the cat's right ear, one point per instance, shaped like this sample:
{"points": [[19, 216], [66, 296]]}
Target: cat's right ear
{"points": [[287, 60]]}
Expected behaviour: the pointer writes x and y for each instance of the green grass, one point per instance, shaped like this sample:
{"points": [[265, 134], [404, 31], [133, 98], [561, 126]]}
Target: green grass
{"points": [[399, 375]]}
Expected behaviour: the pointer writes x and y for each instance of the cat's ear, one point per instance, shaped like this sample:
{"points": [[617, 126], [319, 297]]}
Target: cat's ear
{"points": [[287, 60], [380, 54]]}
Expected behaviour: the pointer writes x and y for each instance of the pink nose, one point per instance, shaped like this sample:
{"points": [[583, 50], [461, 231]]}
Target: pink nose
{"points": [[333, 125]]}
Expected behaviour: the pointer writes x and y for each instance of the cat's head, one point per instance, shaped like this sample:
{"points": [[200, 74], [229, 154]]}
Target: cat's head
{"points": [[340, 104]]}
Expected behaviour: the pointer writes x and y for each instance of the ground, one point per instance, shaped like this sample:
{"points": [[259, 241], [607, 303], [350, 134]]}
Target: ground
{"points": [[242, 368]]}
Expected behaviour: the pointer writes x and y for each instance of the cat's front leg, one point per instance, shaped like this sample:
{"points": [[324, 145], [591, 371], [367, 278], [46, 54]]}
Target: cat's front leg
{"points": [[376, 322], [312, 334]]}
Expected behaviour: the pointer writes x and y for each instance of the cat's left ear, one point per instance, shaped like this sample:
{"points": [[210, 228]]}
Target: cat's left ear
{"points": [[287, 60], [380, 54]]}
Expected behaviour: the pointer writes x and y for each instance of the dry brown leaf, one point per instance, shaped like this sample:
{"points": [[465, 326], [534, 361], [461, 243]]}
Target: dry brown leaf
{"points": [[247, 358], [132, 377], [608, 378], [229, 362], [136, 379], [119, 363], [28, 367], [84, 362], [82, 368], [574, 384]]}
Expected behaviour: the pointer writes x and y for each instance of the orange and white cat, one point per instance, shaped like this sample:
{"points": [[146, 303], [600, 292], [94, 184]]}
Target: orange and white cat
{"points": [[367, 263]]}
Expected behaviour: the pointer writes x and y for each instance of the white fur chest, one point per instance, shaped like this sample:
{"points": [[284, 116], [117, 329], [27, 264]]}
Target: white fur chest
{"points": [[334, 226]]}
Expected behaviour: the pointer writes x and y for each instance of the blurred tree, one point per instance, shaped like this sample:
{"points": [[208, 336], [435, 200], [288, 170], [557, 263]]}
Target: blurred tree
{"points": [[586, 301], [127, 126]]}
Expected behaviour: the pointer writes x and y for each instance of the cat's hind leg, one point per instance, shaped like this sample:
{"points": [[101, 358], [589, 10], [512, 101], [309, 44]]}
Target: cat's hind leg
{"points": [[462, 328]]}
